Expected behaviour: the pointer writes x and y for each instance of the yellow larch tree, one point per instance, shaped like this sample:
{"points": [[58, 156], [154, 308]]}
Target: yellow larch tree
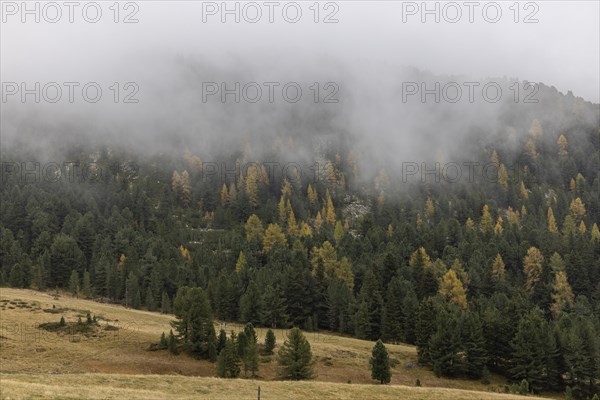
{"points": [[254, 229], [563, 152], [552, 228], [485, 224], [273, 235], [498, 267], [562, 295], [532, 265], [452, 289]]}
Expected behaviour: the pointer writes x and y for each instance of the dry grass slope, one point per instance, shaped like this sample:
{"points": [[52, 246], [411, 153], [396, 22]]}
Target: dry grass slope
{"points": [[39, 364]]}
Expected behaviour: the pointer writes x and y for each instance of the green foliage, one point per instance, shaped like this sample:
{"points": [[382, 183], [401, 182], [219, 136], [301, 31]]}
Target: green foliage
{"points": [[380, 363], [194, 323], [295, 357], [269, 342], [228, 361]]}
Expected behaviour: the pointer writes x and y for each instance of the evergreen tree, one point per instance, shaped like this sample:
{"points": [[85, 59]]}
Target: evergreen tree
{"points": [[228, 361], [380, 363], [295, 357], [74, 283], [269, 342]]}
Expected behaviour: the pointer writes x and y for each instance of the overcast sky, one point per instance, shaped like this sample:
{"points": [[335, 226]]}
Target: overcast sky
{"points": [[174, 47], [561, 49]]}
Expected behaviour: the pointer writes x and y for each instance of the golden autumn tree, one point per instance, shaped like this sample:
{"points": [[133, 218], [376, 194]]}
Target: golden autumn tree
{"points": [[330, 177], [305, 230], [577, 209], [194, 162], [311, 194], [330, 216], [531, 149], [498, 267], [485, 224], [572, 185], [420, 258], [390, 231], [429, 208], [273, 235], [523, 191], [562, 294], [552, 228], [232, 192], [582, 228], [563, 152], [318, 222], [535, 130], [292, 225], [469, 224], [498, 230], [452, 289], [512, 217], [176, 183], [252, 180], [241, 263], [186, 189], [254, 229], [532, 266], [595, 233], [503, 177], [185, 253], [224, 196]]}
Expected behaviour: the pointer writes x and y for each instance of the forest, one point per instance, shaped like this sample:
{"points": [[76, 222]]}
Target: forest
{"points": [[498, 270]]}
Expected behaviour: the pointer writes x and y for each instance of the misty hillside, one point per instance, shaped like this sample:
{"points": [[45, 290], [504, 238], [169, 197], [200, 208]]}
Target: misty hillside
{"points": [[468, 230]]}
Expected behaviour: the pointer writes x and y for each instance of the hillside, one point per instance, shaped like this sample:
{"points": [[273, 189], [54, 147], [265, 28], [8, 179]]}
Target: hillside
{"points": [[120, 360]]}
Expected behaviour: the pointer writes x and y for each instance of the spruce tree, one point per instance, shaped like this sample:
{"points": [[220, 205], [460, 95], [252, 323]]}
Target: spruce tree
{"points": [[269, 342], [380, 363], [228, 361], [295, 357]]}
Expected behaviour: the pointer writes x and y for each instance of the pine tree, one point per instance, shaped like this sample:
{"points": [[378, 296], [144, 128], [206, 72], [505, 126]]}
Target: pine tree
{"points": [[424, 329], [228, 361], [529, 354], [295, 357], [86, 287], [165, 303], [270, 342], [380, 363], [445, 345], [74, 283], [474, 345]]}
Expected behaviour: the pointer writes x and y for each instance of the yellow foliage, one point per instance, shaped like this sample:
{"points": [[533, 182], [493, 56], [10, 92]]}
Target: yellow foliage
{"points": [[563, 152], [552, 228], [498, 267], [532, 265], [273, 235], [577, 209], [452, 289], [485, 224], [254, 229], [562, 295]]}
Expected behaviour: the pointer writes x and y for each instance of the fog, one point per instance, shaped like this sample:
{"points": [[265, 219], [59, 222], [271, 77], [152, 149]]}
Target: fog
{"points": [[170, 59]]}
